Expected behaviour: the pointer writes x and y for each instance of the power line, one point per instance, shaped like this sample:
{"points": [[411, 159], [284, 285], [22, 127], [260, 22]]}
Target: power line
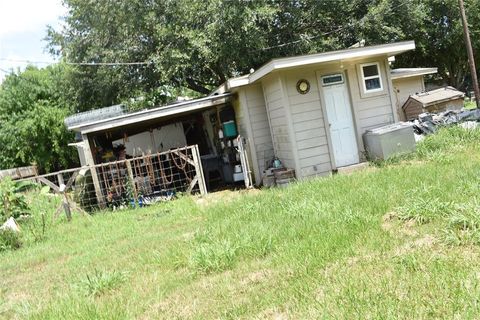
{"points": [[82, 63], [328, 32], [26, 61], [19, 76], [140, 63]]}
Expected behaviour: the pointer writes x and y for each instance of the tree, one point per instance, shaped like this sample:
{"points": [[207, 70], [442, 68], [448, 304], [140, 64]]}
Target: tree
{"points": [[188, 44], [196, 45], [32, 111], [439, 39]]}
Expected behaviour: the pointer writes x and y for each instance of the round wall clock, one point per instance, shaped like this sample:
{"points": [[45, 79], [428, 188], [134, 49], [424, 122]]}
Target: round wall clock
{"points": [[303, 86]]}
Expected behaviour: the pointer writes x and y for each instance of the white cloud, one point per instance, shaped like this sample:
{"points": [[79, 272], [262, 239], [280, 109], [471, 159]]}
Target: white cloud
{"points": [[18, 16], [23, 26]]}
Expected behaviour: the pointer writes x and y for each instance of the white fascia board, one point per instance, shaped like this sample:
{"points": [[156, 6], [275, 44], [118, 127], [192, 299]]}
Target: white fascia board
{"points": [[385, 49], [150, 114], [415, 72], [238, 82]]}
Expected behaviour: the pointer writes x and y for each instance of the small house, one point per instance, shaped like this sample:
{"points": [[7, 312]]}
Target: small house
{"points": [[309, 111], [438, 100]]}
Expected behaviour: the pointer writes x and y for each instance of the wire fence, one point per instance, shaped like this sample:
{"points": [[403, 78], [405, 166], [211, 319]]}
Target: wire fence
{"points": [[132, 182]]}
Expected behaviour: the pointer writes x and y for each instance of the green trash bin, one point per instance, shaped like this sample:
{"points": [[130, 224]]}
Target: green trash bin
{"points": [[229, 129]]}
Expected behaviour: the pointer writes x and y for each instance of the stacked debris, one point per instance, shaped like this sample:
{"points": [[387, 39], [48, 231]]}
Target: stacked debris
{"points": [[428, 123]]}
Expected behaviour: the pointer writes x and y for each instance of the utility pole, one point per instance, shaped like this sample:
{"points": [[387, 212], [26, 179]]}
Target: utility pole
{"points": [[471, 60]]}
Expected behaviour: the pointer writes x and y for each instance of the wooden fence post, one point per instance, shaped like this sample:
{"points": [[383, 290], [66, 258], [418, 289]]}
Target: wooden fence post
{"points": [[60, 179], [93, 171], [131, 179]]}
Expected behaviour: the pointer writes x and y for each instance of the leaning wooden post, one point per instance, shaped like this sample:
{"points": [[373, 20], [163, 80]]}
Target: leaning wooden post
{"points": [[93, 171], [199, 170]]}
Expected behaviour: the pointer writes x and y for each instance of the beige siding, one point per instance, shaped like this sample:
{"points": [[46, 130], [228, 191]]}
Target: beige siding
{"points": [[298, 131], [309, 133], [404, 88], [277, 115], [241, 118], [373, 110], [308, 124], [261, 136]]}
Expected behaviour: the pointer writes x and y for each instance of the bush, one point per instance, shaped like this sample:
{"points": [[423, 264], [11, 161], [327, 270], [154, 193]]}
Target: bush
{"points": [[9, 240], [12, 201]]}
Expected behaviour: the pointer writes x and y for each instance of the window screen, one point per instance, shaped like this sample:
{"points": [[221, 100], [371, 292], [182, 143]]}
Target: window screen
{"points": [[369, 71]]}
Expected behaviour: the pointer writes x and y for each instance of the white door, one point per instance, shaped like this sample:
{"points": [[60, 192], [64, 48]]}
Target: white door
{"points": [[340, 119]]}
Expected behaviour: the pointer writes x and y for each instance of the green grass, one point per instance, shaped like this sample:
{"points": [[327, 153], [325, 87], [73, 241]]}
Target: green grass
{"points": [[398, 240], [470, 105]]}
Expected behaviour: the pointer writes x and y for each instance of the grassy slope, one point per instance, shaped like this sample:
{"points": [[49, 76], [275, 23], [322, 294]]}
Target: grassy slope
{"points": [[382, 243]]}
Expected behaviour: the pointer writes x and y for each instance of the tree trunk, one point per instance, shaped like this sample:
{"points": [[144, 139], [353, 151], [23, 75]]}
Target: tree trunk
{"points": [[196, 87]]}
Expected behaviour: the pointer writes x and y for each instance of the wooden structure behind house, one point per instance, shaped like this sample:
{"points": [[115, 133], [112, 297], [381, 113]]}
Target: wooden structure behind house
{"points": [[407, 82], [438, 100]]}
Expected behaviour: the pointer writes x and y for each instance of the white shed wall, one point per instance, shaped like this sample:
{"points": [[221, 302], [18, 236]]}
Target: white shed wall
{"points": [[404, 88], [161, 139], [276, 103], [308, 124], [252, 120]]}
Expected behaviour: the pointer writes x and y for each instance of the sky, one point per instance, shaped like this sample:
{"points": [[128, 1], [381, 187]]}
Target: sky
{"points": [[23, 26]]}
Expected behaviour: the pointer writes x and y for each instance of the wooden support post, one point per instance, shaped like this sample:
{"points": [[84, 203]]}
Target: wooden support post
{"points": [[66, 207], [471, 59], [131, 179], [60, 179], [93, 171], [199, 170]]}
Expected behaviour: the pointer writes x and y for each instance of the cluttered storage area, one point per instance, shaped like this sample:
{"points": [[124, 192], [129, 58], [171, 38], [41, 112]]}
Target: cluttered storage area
{"points": [[165, 153]]}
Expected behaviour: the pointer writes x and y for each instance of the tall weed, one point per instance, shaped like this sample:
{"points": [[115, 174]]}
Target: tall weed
{"points": [[100, 282]]}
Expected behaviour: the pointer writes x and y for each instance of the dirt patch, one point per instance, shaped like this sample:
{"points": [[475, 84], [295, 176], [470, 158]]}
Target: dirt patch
{"points": [[388, 221], [224, 196], [395, 227], [256, 277], [427, 241], [272, 313]]}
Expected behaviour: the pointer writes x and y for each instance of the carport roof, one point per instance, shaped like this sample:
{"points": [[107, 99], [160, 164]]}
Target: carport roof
{"points": [[150, 114]]}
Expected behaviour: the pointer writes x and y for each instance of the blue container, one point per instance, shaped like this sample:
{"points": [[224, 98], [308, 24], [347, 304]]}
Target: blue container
{"points": [[229, 129]]}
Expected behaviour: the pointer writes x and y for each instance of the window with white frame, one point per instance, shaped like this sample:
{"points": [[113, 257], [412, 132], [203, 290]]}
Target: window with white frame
{"points": [[372, 80]]}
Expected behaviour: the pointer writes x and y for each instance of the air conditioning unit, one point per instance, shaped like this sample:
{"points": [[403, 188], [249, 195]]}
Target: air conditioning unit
{"points": [[387, 141]]}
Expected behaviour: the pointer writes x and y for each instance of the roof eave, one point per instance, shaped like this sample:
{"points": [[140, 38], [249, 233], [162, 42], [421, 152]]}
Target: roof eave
{"points": [[388, 49], [149, 114], [415, 74], [426, 105]]}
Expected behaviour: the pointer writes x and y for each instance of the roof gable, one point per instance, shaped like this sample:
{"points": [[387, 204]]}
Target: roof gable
{"points": [[351, 53]]}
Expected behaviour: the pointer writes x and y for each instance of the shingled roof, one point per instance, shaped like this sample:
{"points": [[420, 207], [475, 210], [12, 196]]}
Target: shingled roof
{"points": [[436, 96]]}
